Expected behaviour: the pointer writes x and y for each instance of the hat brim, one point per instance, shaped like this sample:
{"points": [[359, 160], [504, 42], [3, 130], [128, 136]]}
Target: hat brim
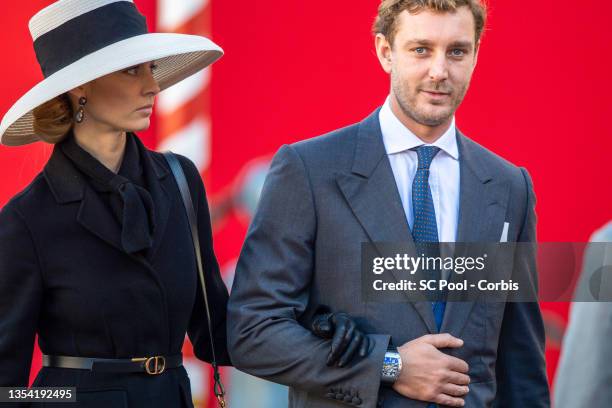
{"points": [[177, 56]]}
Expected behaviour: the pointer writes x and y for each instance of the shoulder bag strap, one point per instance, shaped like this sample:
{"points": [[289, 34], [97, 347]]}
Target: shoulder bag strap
{"points": [[181, 181]]}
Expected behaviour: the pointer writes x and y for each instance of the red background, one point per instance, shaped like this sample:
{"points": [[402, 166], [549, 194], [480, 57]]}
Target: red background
{"points": [[292, 70]]}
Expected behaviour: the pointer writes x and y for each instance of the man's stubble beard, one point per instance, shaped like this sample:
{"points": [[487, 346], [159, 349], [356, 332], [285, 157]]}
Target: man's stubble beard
{"points": [[408, 104]]}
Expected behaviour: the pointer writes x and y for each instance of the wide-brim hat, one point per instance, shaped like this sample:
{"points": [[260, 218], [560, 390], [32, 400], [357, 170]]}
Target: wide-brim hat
{"points": [[77, 41]]}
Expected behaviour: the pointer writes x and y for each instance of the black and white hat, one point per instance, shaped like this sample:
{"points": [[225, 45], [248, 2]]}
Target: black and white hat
{"points": [[77, 41]]}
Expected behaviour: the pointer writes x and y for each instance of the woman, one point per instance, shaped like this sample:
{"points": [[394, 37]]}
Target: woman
{"points": [[95, 254]]}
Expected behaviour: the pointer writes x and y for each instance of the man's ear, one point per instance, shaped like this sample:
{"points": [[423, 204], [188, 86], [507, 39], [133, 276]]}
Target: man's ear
{"points": [[383, 51]]}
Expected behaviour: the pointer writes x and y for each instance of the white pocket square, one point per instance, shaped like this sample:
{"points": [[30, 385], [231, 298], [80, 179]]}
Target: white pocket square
{"points": [[504, 235]]}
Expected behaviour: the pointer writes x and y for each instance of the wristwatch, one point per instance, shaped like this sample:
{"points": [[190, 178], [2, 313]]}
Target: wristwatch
{"points": [[392, 366]]}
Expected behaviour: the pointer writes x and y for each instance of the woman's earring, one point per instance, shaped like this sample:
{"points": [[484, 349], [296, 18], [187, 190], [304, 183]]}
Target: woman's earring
{"points": [[80, 114]]}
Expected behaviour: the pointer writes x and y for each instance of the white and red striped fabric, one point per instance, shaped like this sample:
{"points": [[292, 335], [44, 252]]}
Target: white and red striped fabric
{"points": [[183, 126], [183, 112]]}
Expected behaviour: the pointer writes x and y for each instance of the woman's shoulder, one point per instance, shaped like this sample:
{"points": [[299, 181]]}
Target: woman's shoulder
{"points": [[30, 197], [189, 168]]}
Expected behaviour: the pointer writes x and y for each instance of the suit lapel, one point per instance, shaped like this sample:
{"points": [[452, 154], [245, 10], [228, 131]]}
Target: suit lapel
{"points": [[372, 194], [482, 208]]}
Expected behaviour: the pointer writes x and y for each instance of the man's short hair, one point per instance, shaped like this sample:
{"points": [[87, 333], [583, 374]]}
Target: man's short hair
{"points": [[386, 20]]}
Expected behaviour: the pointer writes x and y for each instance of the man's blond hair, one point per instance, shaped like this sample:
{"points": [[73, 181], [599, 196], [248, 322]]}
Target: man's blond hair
{"points": [[386, 20]]}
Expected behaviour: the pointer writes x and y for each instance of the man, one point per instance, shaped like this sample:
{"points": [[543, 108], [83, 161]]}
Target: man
{"points": [[403, 174], [584, 372]]}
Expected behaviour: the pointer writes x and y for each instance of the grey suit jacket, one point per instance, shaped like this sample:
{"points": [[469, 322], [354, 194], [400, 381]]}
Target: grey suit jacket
{"points": [[584, 376], [322, 198]]}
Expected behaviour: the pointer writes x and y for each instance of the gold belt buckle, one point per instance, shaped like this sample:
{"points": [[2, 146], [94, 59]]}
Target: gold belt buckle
{"points": [[153, 365]]}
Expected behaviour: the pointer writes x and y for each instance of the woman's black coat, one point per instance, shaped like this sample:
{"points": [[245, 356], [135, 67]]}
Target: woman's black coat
{"points": [[65, 277]]}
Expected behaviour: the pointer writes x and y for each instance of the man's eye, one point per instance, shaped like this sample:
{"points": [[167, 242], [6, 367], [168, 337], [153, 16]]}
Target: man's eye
{"points": [[132, 71], [154, 67], [420, 50], [457, 53]]}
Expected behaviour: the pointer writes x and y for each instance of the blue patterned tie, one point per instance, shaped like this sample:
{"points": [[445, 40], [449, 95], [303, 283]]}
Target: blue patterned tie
{"points": [[424, 227]]}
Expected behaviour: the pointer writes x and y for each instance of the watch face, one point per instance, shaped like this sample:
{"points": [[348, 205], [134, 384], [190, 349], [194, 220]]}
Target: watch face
{"points": [[391, 367]]}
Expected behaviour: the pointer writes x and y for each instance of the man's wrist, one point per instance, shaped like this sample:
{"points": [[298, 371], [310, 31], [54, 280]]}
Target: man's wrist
{"points": [[392, 366]]}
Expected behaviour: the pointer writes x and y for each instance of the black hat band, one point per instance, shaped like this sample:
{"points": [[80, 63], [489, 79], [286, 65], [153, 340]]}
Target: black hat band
{"points": [[88, 33]]}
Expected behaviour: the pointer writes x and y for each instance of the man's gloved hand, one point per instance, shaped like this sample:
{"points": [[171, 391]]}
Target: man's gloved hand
{"points": [[347, 339]]}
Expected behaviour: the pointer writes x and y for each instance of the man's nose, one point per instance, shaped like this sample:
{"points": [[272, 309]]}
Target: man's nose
{"points": [[438, 70]]}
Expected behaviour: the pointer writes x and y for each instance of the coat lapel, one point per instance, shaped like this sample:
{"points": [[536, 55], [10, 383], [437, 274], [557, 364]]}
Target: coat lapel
{"points": [[372, 194], [160, 191], [96, 217], [68, 185], [482, 208]]}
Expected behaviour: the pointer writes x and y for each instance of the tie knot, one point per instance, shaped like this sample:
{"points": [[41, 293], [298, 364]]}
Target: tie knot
{"points": [[426, 155]]}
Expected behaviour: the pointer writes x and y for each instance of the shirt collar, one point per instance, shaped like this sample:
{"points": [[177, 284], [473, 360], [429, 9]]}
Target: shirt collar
{"points": [[398, 138]]}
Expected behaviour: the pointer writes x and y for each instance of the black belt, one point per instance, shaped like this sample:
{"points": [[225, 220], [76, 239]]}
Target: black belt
{"points": [[150, 365]]}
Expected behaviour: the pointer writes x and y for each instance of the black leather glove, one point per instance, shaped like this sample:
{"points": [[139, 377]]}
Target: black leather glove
{"points": [[347, 339]]}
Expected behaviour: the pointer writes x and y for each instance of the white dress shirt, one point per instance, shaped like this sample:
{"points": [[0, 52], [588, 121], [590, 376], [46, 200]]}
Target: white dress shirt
{"points": [[443, 173]]}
